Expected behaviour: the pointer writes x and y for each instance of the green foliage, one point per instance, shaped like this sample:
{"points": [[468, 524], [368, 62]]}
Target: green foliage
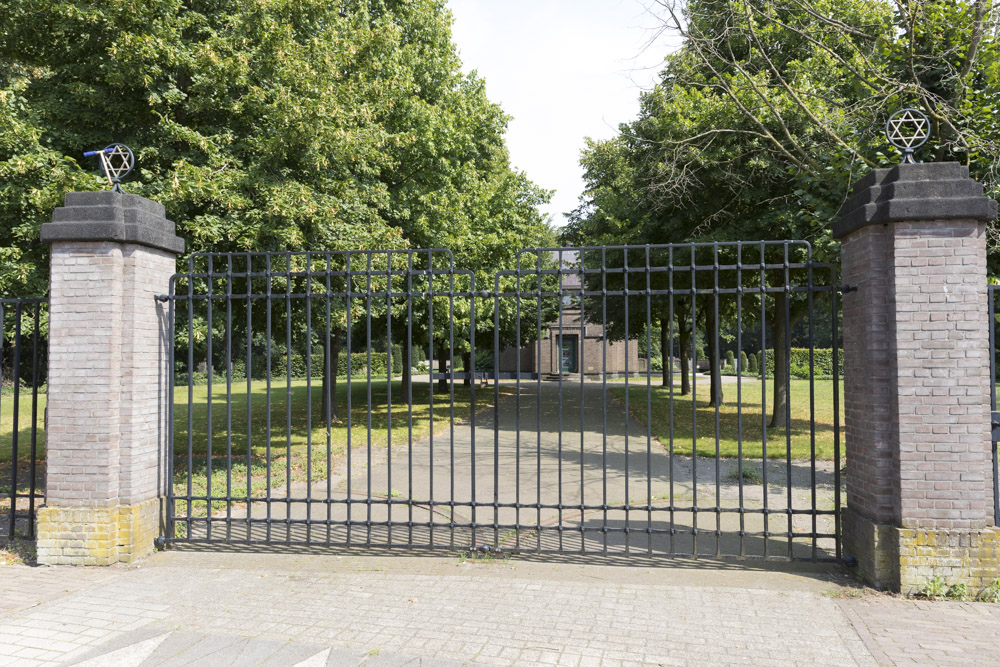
{"points": [[770, 110], [991, 593], [799, 363], [753, 366], [260, 126], [730, 358], [744, 362], [934, 588]]}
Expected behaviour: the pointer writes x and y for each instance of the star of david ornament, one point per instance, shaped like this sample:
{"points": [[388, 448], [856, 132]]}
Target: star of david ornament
{"points": [[908, 130], [116, 163]]}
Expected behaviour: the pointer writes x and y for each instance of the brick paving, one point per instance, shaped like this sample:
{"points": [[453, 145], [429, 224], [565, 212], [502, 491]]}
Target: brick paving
{"points": [[292, 609], [904, 632]]}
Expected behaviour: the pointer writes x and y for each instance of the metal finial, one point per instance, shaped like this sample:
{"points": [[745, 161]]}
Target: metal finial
{"points": [[116, 163], [908, 130]]}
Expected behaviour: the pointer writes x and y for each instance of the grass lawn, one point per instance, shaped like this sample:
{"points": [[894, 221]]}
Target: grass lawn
{"points": [[295, 452], [733, 412], [293, 445]]}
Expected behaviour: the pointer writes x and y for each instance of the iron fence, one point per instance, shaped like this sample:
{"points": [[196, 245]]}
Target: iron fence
{"points": [[23, 365], [336, 398]]}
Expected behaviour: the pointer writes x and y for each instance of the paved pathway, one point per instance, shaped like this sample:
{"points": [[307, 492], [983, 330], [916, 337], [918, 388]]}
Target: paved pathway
{"points": [[181, 608], [549, 452]]}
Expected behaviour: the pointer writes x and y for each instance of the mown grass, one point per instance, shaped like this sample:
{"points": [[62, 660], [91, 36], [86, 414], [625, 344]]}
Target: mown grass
{"points": [[812, 420], [271, 455], [280, 450]]}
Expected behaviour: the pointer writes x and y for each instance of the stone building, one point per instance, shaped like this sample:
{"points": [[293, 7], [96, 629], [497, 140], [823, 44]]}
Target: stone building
{"points": [[568, 348]]}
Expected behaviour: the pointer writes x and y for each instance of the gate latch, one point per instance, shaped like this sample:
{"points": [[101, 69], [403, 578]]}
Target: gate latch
{"points": [[995, 423]]}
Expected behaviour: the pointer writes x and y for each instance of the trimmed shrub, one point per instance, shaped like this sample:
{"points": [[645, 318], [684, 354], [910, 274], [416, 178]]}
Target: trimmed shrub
{"points": [[744, 367]]}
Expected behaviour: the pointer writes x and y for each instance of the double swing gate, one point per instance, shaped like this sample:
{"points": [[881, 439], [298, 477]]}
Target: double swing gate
{"points": [[678, 400]]}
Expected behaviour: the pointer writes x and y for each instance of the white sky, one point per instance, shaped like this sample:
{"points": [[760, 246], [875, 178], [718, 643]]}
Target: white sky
{"points": [[565, 70]]}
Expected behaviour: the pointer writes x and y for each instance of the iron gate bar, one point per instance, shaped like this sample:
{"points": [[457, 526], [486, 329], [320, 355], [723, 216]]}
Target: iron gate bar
{"points": [[382, 285], [30, 309], [991, 291]]}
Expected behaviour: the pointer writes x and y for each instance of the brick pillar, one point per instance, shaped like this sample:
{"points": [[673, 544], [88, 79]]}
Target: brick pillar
{"points": [[112, 254], [917, 374]]}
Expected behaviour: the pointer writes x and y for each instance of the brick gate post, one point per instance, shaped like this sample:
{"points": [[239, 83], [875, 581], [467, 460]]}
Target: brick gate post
{"points": [[112, 253], [917, 374]]}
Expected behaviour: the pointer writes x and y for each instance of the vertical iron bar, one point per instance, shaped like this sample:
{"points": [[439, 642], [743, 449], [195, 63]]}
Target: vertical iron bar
{"points": [[717, 388], [432, 359], [581, 359], [267, 394], [190, 425], [408, 373], [329, 400], [210, 363], [388, 393], [249, 374], [559, 350], [812, 407], [309, 396], [670, 388], [694, 403], [834, 293], [649, 406], [472, 395], [496, 412], [604, 398], [451, 403], [628, 413], [288, 397], [538, 404], [739, 391], [349, 288], [229, 393], [788, 395], [763, 388], [32, 461], [368, 378], [15, 420]]}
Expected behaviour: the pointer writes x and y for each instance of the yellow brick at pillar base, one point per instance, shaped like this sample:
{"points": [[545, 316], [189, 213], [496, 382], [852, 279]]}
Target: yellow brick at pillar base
{"points": [[97, 535], [907, 559]]}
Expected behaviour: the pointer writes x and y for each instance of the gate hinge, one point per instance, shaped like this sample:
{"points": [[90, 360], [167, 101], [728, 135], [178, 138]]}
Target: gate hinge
{"points": [[844, 289], [162, 297]]}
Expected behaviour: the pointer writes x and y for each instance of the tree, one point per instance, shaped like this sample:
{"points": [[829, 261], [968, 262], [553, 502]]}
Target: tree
{"points": [[771, 109], [307, 125]]}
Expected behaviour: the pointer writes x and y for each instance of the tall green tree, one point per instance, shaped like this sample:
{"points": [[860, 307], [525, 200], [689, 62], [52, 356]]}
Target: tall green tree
{"points": [[771, 109], [261, 125]]}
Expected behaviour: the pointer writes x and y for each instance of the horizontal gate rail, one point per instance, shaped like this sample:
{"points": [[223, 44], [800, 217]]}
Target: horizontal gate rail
{"points": [[23, 364], [334, 399]]}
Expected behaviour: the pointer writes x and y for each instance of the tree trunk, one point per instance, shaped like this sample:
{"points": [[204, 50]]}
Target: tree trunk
{"points": [[467, 367], [779, 327], [684, 332], [331, 359], [665, 357], [407, 373], [442, 370], [715, 389]]}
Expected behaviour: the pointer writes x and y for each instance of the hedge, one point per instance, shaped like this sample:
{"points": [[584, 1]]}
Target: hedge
{"points": [[799, 363], [279, 367]]}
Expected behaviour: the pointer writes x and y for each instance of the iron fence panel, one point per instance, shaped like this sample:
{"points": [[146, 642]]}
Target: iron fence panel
{"points": [[387, 398]]}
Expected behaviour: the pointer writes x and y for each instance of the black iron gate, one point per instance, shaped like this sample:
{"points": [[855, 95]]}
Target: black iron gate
{"points": [[23, 366], [671, 400]]}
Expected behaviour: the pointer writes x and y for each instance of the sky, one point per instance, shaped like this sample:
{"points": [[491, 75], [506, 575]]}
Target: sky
{"points": [[565, 70]]}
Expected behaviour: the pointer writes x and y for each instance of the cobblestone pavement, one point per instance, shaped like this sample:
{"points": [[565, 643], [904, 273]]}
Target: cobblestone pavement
{"points": [[181, 608]]}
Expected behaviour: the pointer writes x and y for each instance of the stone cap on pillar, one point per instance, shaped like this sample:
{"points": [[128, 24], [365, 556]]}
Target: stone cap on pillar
{"points": [[914, 192], [112, 216]]}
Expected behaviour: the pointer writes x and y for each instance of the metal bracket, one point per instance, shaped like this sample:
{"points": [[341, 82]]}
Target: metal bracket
{"points": [[995, 424], [844, 289]]}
